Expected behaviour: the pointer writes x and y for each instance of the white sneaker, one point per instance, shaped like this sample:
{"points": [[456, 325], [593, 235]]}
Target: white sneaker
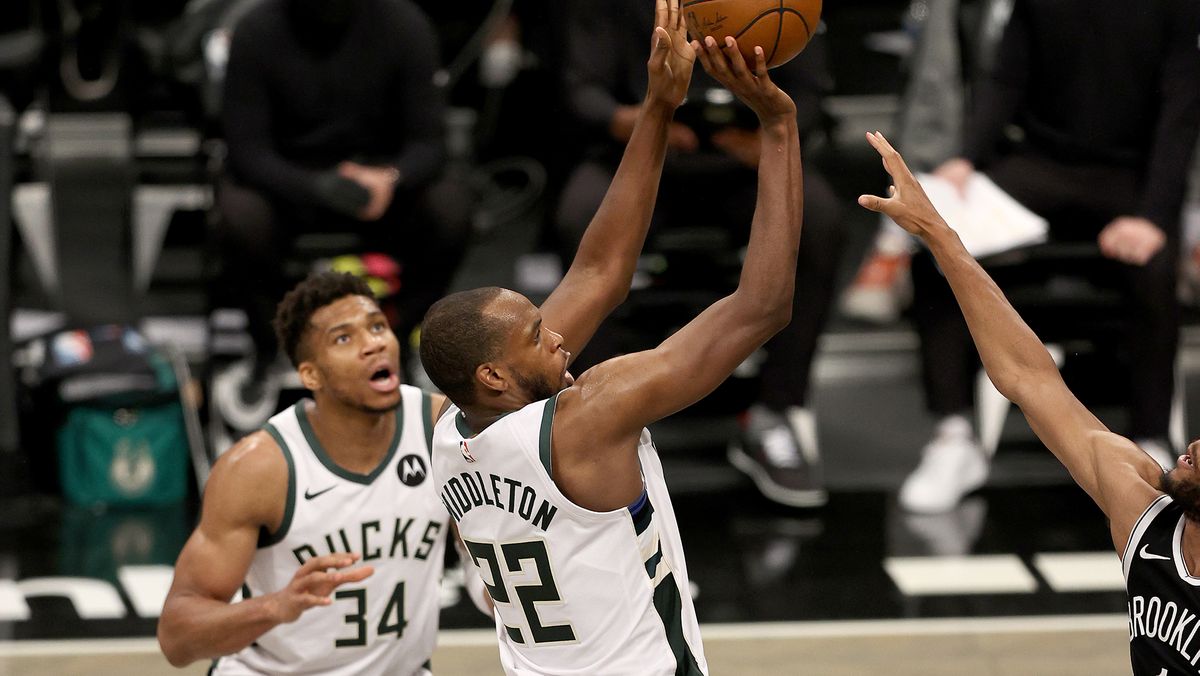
{"points": [[952, 465], [1158, 451]]}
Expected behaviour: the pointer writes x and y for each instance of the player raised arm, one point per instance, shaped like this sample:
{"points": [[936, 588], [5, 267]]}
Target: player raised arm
{"points": [[599, 278], [622, 395], [1121, 478], [246, 492]]}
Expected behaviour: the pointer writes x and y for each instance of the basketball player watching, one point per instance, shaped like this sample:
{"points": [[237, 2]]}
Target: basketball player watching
{"points": [[328, 483], [1153, 516], [555, 483]]}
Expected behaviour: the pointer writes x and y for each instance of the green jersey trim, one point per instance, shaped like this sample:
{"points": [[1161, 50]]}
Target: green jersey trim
{"points": [[544, 436], [266, 539], [311, 436], [427, 420], [460, 422], [670, 609]]}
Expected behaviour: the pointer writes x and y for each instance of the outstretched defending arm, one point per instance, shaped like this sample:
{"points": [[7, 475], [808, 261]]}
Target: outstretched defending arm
{"points": [[599, 278], [1115, 473]]}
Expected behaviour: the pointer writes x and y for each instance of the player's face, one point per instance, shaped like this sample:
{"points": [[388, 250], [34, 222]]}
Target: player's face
{"points": [[535, 353], [356, 355], [1182, 482]]}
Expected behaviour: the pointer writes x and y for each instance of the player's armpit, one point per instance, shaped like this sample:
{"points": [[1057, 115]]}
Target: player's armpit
{"points": [[1115, 473], [1128, 480], [621, 396]]}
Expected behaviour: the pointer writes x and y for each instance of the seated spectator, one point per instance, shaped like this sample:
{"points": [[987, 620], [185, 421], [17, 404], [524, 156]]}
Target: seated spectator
{"points": [[334, 124], [1102, 163], [710, 177]]}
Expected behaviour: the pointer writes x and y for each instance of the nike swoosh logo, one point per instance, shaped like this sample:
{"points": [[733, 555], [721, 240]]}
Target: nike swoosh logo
{"points": [[1147, 555], [308, 495]]}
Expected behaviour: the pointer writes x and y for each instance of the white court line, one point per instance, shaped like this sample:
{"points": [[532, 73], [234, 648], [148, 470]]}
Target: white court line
{"points": [[1081, 571], [943, 575], [464, 638]]}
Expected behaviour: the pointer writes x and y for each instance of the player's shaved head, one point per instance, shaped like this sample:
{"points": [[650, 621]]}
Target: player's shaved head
{"points": [[460, 332]]}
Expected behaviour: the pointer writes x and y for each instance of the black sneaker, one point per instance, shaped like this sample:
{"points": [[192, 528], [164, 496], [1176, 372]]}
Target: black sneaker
{"points": [[779, 452]]}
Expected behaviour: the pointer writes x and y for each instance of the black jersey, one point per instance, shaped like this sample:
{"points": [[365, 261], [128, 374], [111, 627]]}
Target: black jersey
{"points": [[1164, 599]]}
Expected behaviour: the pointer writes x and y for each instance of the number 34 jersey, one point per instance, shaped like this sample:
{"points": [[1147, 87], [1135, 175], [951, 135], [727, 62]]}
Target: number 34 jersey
{"points": [[386, 624], [576, 591]]}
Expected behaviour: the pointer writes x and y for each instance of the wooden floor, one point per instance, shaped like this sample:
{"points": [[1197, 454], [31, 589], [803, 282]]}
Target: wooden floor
{"points": [[975, 647]]}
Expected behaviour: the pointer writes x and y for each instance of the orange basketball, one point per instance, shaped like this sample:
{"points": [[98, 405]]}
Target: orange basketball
{"points": [[781, 27]]}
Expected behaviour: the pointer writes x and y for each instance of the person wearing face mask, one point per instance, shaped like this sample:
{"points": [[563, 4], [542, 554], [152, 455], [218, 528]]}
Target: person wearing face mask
{"points": [[334, 124]]}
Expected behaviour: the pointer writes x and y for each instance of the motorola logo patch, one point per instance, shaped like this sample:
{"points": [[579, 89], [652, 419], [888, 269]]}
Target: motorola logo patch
{"points": [[411, 470]]}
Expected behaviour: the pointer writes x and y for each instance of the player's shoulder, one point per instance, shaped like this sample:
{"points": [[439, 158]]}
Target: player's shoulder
{"points": [[255, 460], [1128, 479]]}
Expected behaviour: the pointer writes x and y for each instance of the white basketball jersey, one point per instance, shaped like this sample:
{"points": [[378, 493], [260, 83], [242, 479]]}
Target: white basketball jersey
{"points": [[576, 591], [386, 624]]}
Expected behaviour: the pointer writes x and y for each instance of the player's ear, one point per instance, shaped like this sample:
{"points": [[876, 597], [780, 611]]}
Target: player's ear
{"points": [[310, 376], [492, 376]]}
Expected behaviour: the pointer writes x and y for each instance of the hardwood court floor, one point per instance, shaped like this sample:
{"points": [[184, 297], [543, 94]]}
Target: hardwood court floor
{"points": [[987, 648]]}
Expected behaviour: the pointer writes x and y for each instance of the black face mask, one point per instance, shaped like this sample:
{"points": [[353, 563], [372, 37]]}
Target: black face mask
{"points": [[321, 25]]}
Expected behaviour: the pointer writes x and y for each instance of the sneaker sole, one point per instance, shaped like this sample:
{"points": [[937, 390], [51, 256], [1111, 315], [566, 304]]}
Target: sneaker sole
{"points": [[774, 492]]}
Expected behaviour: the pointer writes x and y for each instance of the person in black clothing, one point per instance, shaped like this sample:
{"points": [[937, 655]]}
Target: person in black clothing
{"points": [[1153, 516], [710, 178], [1107, 97], [334, 124]]}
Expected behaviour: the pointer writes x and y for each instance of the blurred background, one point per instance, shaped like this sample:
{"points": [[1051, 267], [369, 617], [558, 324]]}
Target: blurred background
{"points": [[164, 180]]}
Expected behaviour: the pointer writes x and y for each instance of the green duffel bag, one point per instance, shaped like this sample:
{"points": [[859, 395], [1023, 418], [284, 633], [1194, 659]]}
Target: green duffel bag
{"points": [[129, 455]]}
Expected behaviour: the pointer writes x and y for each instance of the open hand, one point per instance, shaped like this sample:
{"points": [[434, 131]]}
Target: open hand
{"points": [[906, 203], [380, 182], [313, 583], [671, 58], [725, 63], [1132, 240]]}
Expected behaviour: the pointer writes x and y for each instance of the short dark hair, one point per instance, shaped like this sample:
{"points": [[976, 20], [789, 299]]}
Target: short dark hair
{"points": [[456, 337], [294, 312]]}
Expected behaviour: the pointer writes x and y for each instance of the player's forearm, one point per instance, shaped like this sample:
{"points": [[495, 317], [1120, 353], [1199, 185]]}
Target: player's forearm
{"points": [[1012, 354], [193, 628], [768, 276], [614, 239]]}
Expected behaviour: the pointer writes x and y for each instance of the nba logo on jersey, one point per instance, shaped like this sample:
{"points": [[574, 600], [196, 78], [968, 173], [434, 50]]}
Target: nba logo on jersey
{"points": [[466, 452]]}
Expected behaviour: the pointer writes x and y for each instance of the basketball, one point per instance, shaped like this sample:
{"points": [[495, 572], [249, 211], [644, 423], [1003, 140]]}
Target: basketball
{"points": [[781, 27]]}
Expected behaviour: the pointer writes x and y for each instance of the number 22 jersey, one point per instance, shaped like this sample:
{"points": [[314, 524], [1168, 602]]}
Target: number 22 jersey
{"points": [[576, 591]]}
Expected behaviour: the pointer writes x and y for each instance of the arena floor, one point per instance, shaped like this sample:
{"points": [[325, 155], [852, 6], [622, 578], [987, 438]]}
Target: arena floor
{"points": [[1066, 646]]}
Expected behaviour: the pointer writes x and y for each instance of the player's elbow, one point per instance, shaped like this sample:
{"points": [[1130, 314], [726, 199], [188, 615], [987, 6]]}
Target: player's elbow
{"points": [[766, 316], [1020, 382], [170, 642], [776, 315]]}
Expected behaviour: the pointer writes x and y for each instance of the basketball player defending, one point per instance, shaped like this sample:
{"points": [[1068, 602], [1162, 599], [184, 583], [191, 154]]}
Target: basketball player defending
{"points": [[555, 484], [1154, 517], [285, 507]]}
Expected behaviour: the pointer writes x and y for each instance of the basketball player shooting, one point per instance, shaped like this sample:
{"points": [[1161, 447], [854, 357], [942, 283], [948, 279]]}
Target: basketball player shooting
{"points": [[554, 482], [1153, 516]]}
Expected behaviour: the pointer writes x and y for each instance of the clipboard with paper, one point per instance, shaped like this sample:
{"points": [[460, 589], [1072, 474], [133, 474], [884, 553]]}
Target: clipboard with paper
{"points": [[987, 219]]}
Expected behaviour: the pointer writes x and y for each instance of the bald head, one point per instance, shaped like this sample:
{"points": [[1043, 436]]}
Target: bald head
{"points": [[464, 330]]}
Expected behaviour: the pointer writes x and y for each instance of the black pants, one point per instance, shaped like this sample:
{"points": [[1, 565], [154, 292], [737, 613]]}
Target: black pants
{"points": [[424, 229], [707, 190], [1078, 201]]}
